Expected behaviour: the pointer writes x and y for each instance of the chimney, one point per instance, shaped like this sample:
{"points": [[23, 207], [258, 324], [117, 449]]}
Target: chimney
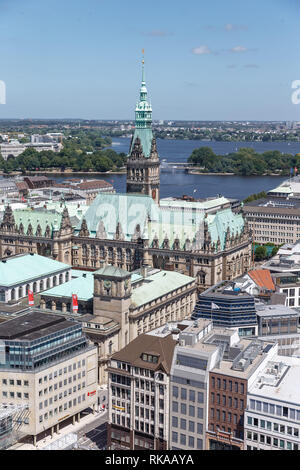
{"points": [[144, 270]]}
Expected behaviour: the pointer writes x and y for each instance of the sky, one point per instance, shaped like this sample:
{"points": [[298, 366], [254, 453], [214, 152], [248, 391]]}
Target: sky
{"points": [[204, 60]]}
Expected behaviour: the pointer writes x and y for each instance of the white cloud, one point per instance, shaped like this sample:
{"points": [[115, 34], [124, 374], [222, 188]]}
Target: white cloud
{"points": [[235, 27], [238, 49], [201, 50]]}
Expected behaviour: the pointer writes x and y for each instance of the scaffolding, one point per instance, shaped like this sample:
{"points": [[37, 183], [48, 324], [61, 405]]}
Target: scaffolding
{"points": [[12, 416]]}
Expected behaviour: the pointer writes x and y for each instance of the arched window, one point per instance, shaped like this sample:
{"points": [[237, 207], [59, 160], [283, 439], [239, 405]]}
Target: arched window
{"points": [[110, 344], [13, 294], [128, 255], [60, 279], [54, 281], [67, 276], [34, 287], [48, 283], [41, 285], [20, 292], [201, 277], [2, 295]]}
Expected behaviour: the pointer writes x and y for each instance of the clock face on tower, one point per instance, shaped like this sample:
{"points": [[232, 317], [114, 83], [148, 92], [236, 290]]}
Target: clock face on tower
{"points": [[107, 284]]}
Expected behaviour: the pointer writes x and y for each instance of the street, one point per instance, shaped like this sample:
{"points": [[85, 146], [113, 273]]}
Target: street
{"points": [[93, 435]]}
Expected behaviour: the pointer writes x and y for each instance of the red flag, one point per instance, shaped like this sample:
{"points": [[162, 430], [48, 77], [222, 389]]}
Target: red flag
{"points": [[30, 297], [75, 302]]}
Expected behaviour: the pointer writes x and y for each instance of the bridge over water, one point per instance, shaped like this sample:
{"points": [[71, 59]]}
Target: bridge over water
{"points": [[166, 165]]}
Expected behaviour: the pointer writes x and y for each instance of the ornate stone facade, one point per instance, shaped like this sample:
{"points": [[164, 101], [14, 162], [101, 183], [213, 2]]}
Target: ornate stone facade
{"points": [[41, 232]]}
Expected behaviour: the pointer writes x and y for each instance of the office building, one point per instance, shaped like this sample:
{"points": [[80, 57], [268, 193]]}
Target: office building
{"points": [[228, 306], [272, 416], [138, 387], [280, 323], [48, 364], [228, 389]]}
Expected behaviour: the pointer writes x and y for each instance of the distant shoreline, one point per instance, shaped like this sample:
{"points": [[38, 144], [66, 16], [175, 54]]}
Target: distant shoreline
{"points": [[195, 172], [62, 173]]}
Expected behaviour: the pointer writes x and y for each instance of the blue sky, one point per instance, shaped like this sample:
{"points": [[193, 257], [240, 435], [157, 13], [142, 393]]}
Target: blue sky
{"points": [[205, 60]]}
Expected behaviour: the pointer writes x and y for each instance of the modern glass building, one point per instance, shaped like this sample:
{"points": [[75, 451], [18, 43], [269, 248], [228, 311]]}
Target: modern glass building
{"points": [[228, 308], [38, 340], [48, 368]]}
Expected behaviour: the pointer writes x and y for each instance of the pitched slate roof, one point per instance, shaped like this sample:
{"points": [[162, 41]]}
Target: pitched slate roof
{"points": [[163, 347]]}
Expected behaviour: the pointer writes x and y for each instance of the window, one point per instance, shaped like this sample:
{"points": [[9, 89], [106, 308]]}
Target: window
{"points": [[174, 421], [175, 406], [200, 413], [183, 423], [200, 397], [191, 410], [174, 436], [199, 444], [183, 394], [191, 426]]}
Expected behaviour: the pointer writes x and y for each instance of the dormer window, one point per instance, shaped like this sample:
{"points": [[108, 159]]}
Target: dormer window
{"points": [[150, 358]]}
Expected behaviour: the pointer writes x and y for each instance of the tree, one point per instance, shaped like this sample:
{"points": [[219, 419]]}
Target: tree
{"points": [[261, 253]]}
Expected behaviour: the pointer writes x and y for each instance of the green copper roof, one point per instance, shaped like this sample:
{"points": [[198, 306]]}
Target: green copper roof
{"points": [[28, 267], [218, 224], [145, 136], [112, 271], [157, 285], [157, 223], [143, 120], [111, 209], [82, 286], [35, 218]]}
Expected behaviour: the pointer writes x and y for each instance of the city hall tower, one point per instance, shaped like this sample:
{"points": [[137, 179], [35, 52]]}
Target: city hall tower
{"points": [[143, 160]]}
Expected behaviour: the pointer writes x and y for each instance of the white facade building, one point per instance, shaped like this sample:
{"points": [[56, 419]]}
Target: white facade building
{"points": [[272, 417]]}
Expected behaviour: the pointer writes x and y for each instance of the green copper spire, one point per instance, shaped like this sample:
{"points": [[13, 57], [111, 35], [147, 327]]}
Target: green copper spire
{"points": [[143, 118]]}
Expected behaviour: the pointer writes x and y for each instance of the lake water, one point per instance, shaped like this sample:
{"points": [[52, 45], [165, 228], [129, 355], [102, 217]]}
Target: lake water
{"points": [[179, 150], [175, 182]]}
